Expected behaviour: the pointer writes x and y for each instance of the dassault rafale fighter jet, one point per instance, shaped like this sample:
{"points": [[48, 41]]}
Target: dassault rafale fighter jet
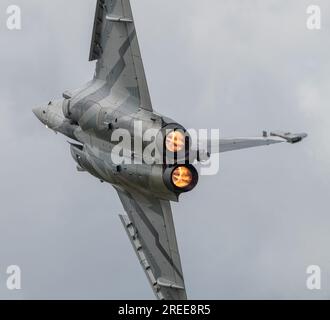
{"points": [[117, 99]]}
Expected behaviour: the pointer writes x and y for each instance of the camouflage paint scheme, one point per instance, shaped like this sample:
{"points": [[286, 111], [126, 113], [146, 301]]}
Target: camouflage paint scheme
{"points": [[116, 98]]}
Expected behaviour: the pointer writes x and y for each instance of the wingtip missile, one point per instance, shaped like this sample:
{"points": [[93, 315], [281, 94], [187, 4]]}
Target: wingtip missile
{"points": [[289, 137]]}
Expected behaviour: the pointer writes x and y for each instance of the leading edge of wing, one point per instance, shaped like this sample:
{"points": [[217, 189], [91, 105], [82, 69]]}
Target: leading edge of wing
{"points": [[150, 227]]}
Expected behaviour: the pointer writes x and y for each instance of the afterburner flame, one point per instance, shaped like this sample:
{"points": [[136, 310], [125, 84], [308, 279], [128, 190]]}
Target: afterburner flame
{"points": [[182, 177], [175, 141]]}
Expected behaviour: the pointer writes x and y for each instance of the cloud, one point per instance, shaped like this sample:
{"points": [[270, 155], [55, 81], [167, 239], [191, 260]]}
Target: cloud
{"points": [[241, 66]]}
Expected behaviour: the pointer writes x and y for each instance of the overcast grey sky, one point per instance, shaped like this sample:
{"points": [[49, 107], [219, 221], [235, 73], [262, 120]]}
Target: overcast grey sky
{"points": [[241, 66]]}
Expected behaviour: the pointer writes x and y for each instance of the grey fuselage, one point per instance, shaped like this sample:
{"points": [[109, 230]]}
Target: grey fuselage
{"points": [[89, 116]]}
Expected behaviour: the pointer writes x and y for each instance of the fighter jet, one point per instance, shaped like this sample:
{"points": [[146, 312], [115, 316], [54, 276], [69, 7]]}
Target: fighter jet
{"points": [[117, 100]]}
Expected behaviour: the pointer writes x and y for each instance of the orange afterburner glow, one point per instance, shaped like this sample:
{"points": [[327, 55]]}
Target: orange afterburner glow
{"points": [[182, 177], [175, 141]]}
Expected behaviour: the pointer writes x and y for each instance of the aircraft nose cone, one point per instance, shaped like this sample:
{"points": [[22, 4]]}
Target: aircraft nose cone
{"points": [[39, 112]]}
